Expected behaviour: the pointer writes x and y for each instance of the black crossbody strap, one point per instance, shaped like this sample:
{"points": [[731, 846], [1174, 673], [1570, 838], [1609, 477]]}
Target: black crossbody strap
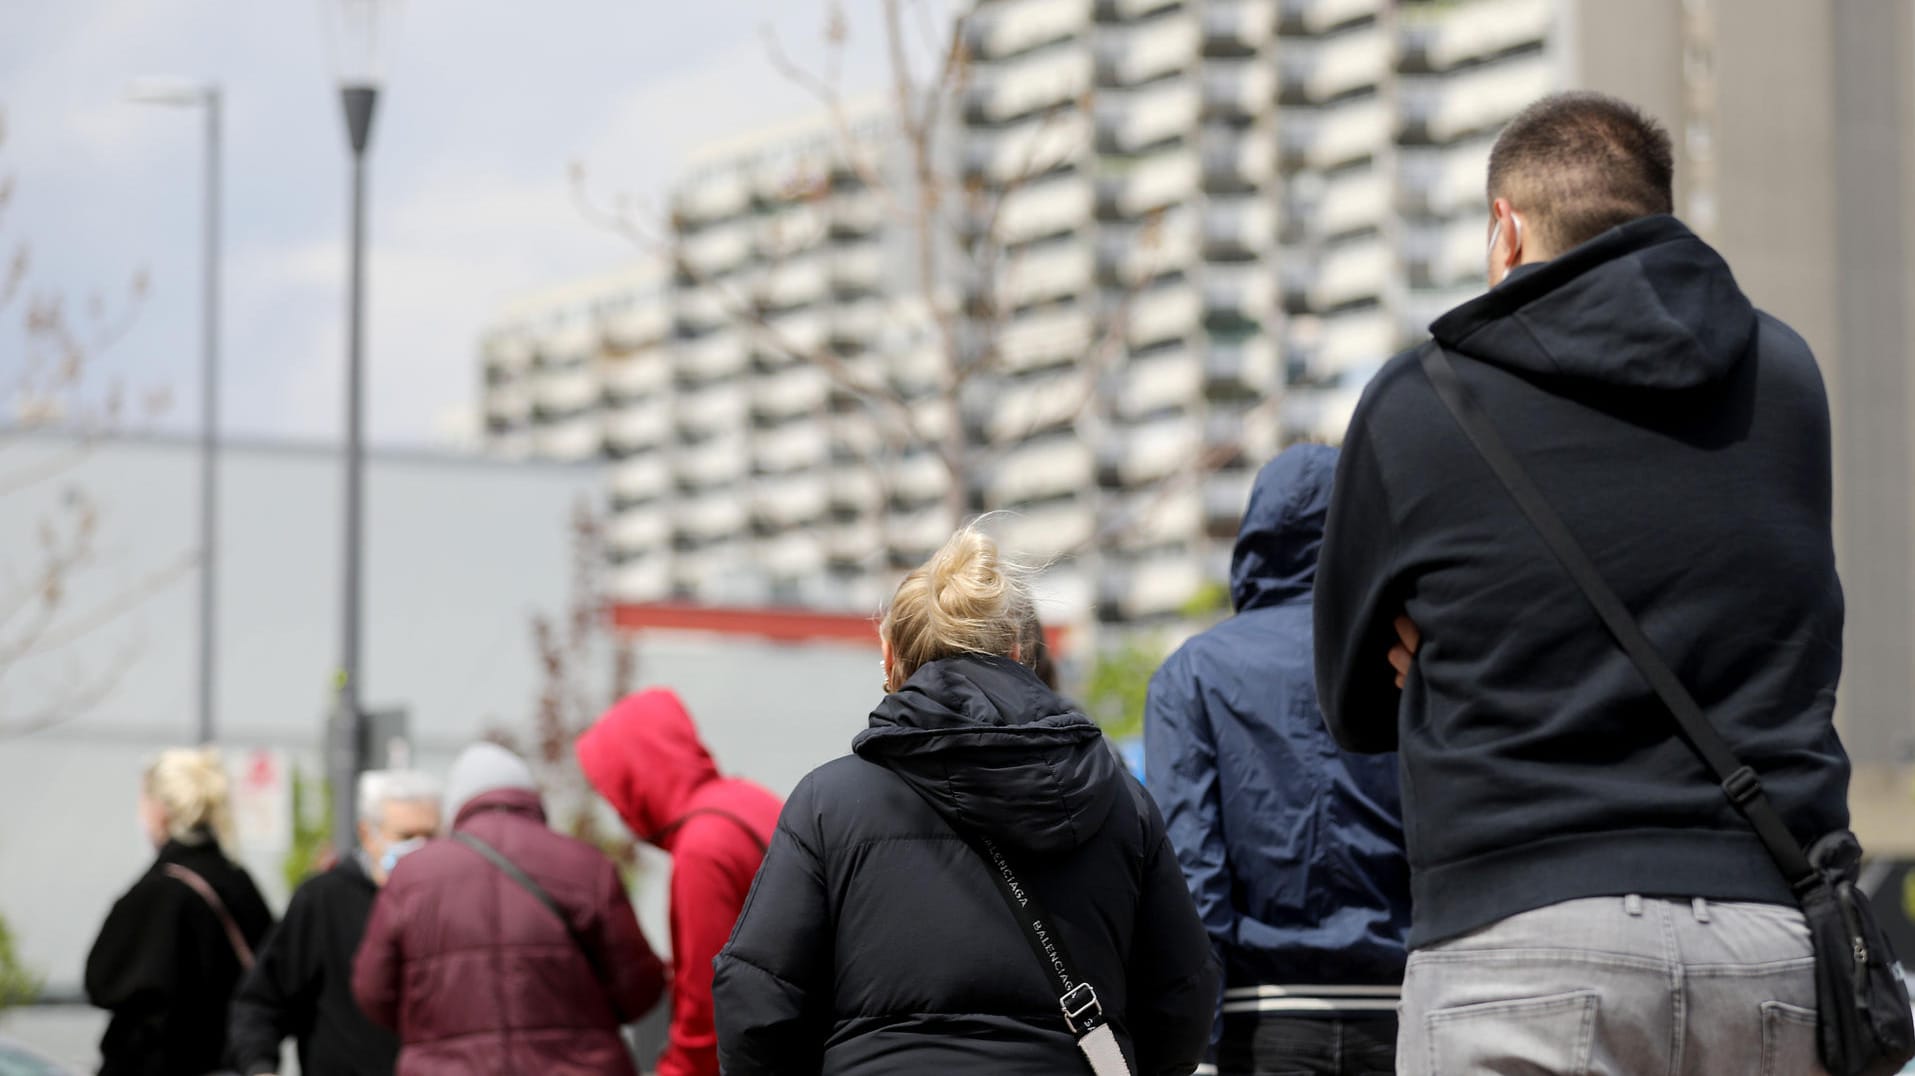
{"points": [[513, 871], [1739, 782], [1082, 1010]]}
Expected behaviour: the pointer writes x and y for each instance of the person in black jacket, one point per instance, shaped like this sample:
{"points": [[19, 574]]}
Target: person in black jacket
{"points": [[302, 983], [174, 946], [875, 940], [1570, 855]]}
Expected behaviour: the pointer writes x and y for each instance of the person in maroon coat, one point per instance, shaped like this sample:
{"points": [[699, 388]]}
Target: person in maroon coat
{"points": [[645, 758], [472, 969]]}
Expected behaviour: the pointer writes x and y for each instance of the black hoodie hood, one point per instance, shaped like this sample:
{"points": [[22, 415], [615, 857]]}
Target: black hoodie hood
{"points": [[1646, 305], [996, 753], [1276, 556]]}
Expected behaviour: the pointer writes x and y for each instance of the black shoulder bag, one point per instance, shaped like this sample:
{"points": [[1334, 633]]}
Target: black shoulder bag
{"points": [[517, 874], [1863, 1023]]}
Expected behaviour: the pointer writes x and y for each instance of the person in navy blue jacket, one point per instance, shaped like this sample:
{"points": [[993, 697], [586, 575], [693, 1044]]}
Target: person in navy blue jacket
{"points": [[1292, 848]]}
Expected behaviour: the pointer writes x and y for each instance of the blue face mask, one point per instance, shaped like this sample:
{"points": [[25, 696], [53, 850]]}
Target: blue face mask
{"points": [[398, 852]]}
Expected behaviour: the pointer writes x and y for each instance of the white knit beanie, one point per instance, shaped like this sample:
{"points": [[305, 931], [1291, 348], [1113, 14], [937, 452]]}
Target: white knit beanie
{"points": [[485, 767]]}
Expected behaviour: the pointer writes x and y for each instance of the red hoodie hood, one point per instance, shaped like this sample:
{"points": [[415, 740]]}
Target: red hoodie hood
{"points": [[645, 758]]}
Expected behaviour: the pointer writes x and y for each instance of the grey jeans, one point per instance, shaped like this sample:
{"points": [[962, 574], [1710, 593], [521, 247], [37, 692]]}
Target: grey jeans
{"points": [[1621, 986]]}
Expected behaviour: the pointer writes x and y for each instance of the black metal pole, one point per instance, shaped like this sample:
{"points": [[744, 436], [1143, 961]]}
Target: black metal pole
{"points": [[209, 429], [349, 740]]}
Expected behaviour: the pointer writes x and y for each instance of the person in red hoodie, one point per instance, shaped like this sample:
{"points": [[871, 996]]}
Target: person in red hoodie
{"points": [[644, 756]]}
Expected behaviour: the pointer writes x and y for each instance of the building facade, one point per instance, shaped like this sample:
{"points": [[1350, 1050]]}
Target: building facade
{"points": [[1230, 212]]}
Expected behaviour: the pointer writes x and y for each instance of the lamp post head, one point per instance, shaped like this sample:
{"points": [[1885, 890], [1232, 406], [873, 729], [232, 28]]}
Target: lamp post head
{"points": [[359, 101], [358, 38]]}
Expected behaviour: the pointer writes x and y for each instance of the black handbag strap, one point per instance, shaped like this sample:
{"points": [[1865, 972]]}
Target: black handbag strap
{"points": [[1082, 1009], [513, 871], [1739, 782]]}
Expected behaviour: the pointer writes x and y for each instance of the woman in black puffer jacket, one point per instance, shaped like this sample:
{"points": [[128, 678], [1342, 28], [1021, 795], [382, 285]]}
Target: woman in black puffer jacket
{"points": [[876, 942]]}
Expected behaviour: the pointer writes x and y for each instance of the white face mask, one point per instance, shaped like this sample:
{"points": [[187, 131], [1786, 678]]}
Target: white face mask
{"points": [[398, 852]]}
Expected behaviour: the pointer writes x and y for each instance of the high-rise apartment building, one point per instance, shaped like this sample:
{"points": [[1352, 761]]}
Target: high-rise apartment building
{"points": [[1228, 211]]}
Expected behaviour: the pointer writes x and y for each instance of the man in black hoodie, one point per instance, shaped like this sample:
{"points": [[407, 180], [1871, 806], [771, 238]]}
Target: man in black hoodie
{"points": [[1583, 892], [301, 986]]}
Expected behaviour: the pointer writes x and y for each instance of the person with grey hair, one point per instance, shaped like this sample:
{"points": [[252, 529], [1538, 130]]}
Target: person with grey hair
{"points": [[301, 985]]}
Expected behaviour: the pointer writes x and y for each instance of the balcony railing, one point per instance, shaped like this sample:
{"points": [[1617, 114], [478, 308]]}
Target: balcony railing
{"points": [[1445, 37], [716, 196], [798, 390], [644, 425], [1045, 338], [1045, 208], [718, 248], [1450, 107], [1239, 25], [1156, 382], [1031, 148], [1148, 452], [714, 356], [1244, 366], [1045, 530], [636, 377], [717, 468], [1134, 252], [1156, 586], [718, 408], [1326, 137], [1246, 288], [1316, 71], [1013, 26], [1129, 54], [641, 477], [1237, 160], [1352, 201], [641, 531], [576, 438], [1444, 181], [790, 499], [1037, 275], [1042, 469], [1002, 92], [1163, 313], [566, 389], [1318, 16], [1244, 224], [1351, 271], [1239, 88], [1134, 187], [1128, 120]]}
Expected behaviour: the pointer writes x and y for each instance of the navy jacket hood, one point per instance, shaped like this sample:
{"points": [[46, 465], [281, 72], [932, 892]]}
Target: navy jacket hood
{"points": [[1276, 556], [1647, 305], [996, 752]]}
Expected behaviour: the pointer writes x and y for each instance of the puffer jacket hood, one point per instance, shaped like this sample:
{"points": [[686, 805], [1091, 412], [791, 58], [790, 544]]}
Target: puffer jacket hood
{"points": [[1646, 305], [1276, 556], [996, 752], [644, 756]]}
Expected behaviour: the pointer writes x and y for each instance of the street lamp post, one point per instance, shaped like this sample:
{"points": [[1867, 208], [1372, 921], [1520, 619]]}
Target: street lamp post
{"points": [[359, 100], [207, 99]]}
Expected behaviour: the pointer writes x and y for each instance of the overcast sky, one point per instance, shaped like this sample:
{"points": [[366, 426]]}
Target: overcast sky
{"points": [[487, 103]]}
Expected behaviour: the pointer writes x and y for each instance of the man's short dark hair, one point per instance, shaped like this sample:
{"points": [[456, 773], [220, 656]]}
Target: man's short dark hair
{"points": [[1578, 164]]}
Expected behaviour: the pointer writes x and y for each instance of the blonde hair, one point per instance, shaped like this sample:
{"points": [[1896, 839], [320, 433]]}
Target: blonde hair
{"points": [[967, 599], [191, 788]]}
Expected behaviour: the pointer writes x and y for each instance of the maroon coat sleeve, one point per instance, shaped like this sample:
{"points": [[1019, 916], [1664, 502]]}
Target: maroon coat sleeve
{"points": [[377, 969], [637, 975]]}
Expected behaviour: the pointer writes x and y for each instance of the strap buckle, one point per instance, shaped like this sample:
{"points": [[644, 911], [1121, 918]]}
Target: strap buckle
{"points": [[1081, 1004], [1742, 787]]}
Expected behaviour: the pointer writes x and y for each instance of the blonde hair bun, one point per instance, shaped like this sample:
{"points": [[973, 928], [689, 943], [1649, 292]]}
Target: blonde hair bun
{"points": [[967, 599], [191, 787]]}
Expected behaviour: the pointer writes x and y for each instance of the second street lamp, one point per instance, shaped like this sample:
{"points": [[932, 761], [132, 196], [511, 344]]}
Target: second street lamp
{"points": [[206, 98]]}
